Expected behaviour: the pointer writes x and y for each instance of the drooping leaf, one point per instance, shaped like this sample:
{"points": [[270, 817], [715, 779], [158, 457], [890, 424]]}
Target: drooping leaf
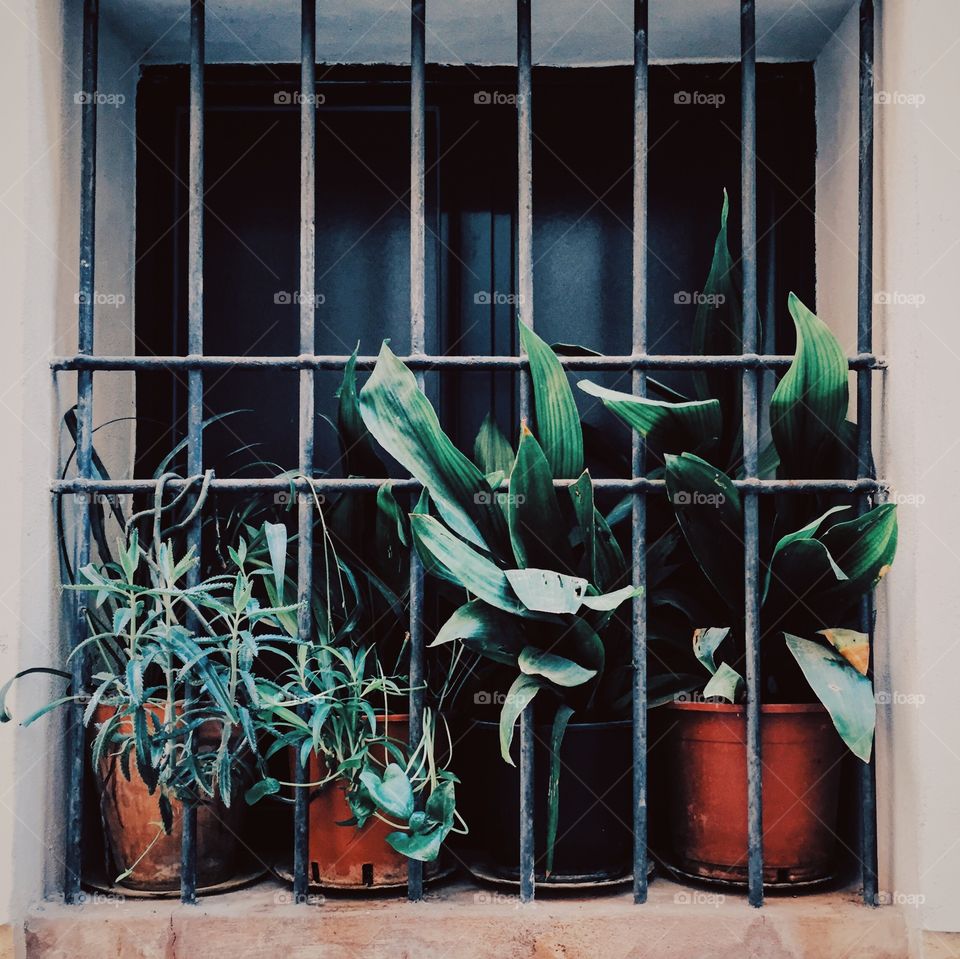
{"points": [[558, 669], [705, 643], [485, 630], [402, 420], [356, 445], [852, 645], [809, 405], [670, 427], [421, 846], [847, 695], [538, 533], [546, 591], [606, 602], [807, 532], [726, 683], [392, 792], [473, 571], [557, 418], [864, 549], [492, 451], [520, 694], [560, 720], [707, 506]]}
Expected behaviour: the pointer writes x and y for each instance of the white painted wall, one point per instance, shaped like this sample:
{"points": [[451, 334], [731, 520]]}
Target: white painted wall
{"points": [[40, 71]]}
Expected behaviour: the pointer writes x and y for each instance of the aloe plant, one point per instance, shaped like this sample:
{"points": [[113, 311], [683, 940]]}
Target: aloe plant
{"points": [[542, 570], [818, 559]]}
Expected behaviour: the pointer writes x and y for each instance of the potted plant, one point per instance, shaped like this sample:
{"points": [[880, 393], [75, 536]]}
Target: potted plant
{"points": [[544, 576], [168, 703], [336, 708], [819, 558]]}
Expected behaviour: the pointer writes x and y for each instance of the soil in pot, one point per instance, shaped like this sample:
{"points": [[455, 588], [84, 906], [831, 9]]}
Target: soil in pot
{"points": [[136, 842], [703, 758], [344, 857], [594, 834]]}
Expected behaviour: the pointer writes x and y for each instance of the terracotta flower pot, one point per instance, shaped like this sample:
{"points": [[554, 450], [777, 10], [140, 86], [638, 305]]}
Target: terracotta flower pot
{"points": [[345, 857], [134, 831], [704, 753]]}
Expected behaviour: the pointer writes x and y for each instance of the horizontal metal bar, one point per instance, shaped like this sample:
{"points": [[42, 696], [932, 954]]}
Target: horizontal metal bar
{"points": [[363, 484], [639, 361]]}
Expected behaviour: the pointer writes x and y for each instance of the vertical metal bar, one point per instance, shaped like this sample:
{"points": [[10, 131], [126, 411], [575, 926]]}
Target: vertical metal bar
{"points": [[751, 623], [88, 192], [525, 300], [868, 797], [307, 285], [188, 849], [417, 346], [638, 452]]}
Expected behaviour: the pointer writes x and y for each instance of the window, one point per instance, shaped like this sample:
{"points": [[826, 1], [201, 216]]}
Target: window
{"points": [[197, 300]]}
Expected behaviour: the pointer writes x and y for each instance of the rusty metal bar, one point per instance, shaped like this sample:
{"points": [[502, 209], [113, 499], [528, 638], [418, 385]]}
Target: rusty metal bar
{"points": [[188, 849], [418, 302], [73, 854], [751, 521], [525, 301], [638, 451], [424, 362], [868, 782], [308, 164]]}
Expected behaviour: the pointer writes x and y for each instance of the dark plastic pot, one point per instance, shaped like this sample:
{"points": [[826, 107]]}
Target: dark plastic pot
{"points": [[594, 835], [704, 757]]}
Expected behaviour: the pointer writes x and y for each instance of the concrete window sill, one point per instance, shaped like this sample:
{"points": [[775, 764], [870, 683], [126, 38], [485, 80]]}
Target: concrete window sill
{"points": [[462, 920]]}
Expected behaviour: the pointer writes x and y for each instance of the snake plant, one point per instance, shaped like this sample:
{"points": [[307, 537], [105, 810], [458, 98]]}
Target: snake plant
{"points": [[819, 556]]}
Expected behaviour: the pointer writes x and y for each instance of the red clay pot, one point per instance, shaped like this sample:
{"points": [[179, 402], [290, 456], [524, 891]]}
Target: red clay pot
{"points": [[345, 857], [801, 756], [134, 830]]}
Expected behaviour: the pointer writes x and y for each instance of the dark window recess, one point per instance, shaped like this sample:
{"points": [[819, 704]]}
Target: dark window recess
{"points": [[581, 246]]}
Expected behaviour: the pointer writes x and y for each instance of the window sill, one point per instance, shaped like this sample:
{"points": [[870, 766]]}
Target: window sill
{"points": [[459, 919]]}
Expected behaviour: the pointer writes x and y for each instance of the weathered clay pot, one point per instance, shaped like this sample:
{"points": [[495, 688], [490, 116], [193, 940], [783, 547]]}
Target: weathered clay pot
{"points": [[343, 856], [704, 751], [134, 832]]}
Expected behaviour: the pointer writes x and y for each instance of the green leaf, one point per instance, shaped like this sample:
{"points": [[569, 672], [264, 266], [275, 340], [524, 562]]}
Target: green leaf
{"points": [[605, 602], [473, 571], [560, 720], [492, 451], [485, 630], [708, 509], [807, 532], [421, 846], [546, 591], [809, 405], [581, 495], [276, 536], [538, 533], [718, 331], [670, 427], [266, 787], [846, 694], [356, 446], [726, 683], [558, 669], [705, 643], [402, 420], [392, 793], [520, 694], [557, 418], [864, 549]]}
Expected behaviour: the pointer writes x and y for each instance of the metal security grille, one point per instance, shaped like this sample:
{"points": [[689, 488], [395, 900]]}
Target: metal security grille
{"points": [[750, 363]]}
